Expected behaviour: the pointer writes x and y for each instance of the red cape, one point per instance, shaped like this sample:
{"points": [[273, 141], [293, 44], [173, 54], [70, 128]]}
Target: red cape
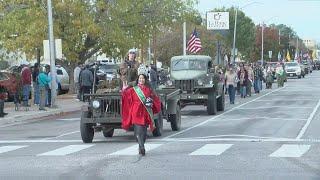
{"points": [[134, 111]]}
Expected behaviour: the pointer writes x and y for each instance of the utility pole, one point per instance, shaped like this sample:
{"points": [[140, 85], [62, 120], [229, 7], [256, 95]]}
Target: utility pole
{"points": [[262, 29], [184, 38], [52, 56], [234, 37]]}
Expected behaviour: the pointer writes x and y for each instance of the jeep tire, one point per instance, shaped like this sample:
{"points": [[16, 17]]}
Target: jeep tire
{"points": [[221, 102], [86, 129], [212, 103], [158, 124], [175, 119]]}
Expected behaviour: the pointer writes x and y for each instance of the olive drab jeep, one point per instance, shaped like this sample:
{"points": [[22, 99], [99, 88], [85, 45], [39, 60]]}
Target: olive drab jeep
{"points": [[200, 85]]}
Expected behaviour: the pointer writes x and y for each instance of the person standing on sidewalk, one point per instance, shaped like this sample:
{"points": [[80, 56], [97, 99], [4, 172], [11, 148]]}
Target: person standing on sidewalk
{"points": [[86, 81], [43, 82], [231, 80], [257, 72], [76, 76], [36, 91], [26, 83], [250, 79]]}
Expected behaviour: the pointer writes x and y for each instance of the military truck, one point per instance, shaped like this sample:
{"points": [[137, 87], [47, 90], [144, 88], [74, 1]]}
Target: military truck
{"points": [[196, 77]]}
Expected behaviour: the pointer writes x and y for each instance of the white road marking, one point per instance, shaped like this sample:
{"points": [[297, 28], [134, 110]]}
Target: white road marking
{"points": [[303, 130], [290, 150], [65, 134], [211, 149], [261, 117], [4, 149], [284, 100], [66, 150], [69, 119], [217, 116], [133, 150], [288, 107]]}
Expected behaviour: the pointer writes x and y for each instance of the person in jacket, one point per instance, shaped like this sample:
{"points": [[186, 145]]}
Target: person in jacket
{"points": [[76, 77], [153, 77], [43, 82], [139, 103], [36, 92], [26, 83], [243, 80], [231, 80], [86, 81], [128, 70]]}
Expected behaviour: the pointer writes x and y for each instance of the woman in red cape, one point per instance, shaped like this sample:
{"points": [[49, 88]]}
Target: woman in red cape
{"points": [[134, 111]]}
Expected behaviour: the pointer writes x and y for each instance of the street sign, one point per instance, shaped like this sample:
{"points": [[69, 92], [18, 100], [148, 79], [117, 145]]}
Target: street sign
{"points": [[217, 20], [270, 54]]}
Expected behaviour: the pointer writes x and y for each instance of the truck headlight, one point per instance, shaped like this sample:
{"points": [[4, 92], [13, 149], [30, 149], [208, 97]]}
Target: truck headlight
{"points": [[95, 104], [200, 82]]}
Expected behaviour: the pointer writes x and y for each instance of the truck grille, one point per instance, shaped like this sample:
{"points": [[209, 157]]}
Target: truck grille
{"points": [[109, 107], [185, 85]]}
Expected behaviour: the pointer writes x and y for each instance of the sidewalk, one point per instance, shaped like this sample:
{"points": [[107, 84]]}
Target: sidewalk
{"points": [[66, 103]]}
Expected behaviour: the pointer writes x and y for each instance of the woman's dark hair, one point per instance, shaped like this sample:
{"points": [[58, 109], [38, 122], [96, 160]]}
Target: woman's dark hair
{"points": [[147, 83]]}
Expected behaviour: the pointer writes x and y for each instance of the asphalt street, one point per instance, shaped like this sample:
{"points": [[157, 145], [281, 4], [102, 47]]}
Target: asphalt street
{"points": [[272, 135]]}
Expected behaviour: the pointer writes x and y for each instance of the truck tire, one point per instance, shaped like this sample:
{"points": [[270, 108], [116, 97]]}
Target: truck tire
{"points": [[175, 119], [108, 133], [212, 103], [221, 102], [86, 129], [299, 77], [158, 125]]}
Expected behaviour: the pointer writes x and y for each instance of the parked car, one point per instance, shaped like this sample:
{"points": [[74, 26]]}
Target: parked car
{"points": [[63, 78], [317, 64], [9, 83], [308, 64], [293, 69]]}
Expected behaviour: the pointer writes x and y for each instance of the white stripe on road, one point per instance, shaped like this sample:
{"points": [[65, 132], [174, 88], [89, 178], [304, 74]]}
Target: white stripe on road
{"points": [[268, 118], [65, 134], [133, 150], [305, 127], [215, 118], [288, 107], [211, 149], [69, 119], [66, 150], [4, 149], [290, 150], [284, 100]]}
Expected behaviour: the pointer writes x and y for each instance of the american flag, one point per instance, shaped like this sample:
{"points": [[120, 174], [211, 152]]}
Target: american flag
{"points": [[194, 44]]}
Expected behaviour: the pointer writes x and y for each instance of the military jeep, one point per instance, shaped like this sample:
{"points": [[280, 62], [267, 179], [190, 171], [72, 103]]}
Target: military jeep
{"points": [[200, 85]]}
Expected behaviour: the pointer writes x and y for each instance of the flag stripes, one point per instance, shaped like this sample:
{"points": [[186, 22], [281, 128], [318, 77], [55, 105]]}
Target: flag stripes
{"points": [[194, 44]]}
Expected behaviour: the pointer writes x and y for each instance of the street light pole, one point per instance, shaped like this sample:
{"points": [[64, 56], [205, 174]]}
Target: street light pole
{"points": [[234, 37], [262, 29], [52, 56]]}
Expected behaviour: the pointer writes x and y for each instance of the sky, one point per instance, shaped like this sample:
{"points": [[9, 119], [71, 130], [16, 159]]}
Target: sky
{"points": [[303, 16]]}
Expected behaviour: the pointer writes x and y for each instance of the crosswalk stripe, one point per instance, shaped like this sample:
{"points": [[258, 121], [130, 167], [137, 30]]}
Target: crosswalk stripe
{"points": [[290, 150], [66, 150], [4, 149], [133, 150], [211, 149]]}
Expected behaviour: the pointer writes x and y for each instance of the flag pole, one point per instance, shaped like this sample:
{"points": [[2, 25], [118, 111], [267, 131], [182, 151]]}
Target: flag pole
{"points": [[184, 38]]}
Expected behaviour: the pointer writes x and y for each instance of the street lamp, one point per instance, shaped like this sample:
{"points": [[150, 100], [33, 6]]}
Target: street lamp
{"points": [[235, 29]]}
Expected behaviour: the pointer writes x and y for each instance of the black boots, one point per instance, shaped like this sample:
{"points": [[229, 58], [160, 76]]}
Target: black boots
{"points": [[140, 133], [2, 114]]}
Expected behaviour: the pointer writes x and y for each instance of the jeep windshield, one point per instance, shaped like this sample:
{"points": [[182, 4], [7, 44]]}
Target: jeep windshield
{"points": [[189, 64]]}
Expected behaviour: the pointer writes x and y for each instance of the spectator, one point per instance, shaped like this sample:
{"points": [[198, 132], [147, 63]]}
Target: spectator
{"points": [[153, 77], [76, 76], [26, 83], [36, 91], [86, 81], [43, 81]]}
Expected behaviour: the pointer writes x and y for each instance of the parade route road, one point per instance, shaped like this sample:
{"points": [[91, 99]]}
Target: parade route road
{"points": [[271, 135]]}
